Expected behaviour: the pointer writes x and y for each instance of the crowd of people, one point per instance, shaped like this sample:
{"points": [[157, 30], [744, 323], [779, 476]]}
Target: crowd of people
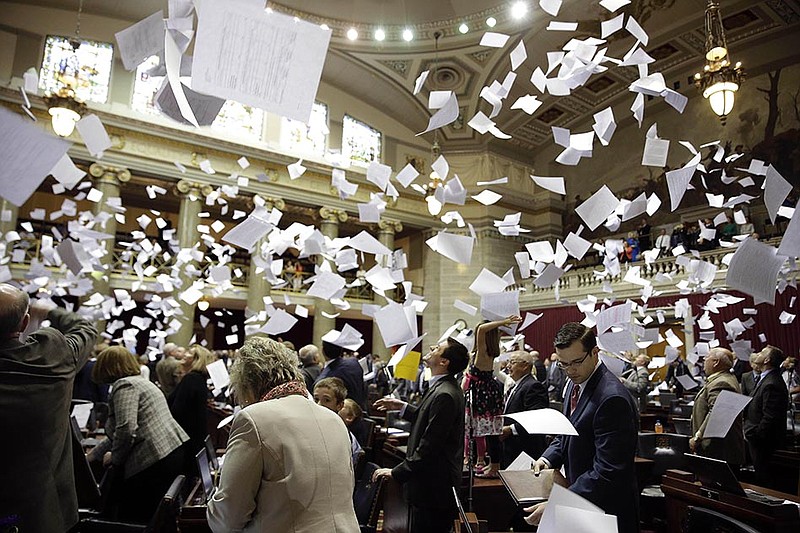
{"points": [[297, 436]]}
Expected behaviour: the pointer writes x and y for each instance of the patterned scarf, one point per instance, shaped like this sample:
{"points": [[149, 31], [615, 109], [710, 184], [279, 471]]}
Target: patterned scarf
{"points": [[286, 389]]}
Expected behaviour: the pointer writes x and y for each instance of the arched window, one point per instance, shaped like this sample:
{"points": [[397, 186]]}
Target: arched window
{"points": [[311, 138], [361, 143], [234, 118], [86, 68]]}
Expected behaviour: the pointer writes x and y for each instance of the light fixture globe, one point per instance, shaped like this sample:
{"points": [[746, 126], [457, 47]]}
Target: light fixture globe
{"points": [[718, 81], [65, 111]]}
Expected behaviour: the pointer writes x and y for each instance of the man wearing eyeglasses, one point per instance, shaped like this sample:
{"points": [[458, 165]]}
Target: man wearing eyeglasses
{"points": [[599, 461]]}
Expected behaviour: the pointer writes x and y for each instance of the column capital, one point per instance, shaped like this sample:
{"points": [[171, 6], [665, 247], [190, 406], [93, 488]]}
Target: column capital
{"points": [[329, 214], [269, 202], [191, 188], [114, 175], [390, 226]]}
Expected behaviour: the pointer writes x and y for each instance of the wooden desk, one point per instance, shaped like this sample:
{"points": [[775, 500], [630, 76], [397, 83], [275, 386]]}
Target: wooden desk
{"points": [[681, 492], [193, 516]]}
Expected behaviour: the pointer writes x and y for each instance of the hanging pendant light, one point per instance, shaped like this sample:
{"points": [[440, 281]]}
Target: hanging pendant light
{"points": [[64, 106]]}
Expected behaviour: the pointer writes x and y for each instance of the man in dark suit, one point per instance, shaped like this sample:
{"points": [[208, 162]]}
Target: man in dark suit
{"points": [[37, 493], [310, 367], [750, 379], [765, 415], [435, 452], [717, 366], [599, 460], [526, 394], [345, 368]]}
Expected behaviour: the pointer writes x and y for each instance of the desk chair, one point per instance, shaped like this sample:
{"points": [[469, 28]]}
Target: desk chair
{"points": [[667, 451], [393, 420], [165, 519], [683, 426], [367, 498], [702, 520]]}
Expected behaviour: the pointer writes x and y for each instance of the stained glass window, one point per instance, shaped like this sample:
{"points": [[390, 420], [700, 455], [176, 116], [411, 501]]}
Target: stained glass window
{"points": [[311, 138], [236, 118], [87, 68], [146, 86], [361, 143]]}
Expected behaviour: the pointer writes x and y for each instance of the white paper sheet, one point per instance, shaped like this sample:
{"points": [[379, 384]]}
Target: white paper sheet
{"points": [[82, 412], [687, 382], [94, 135], [66, 173], [396, 323], [522, 462], [494, 39], [561, 498], [583, 521], [204, 107], [776, 189], [142, 40], [487, 282], [279, 322], [218, 373], [790, 243], [655, 152], [519, 54], [27, 154], [455, 247], [678, 181], [420, 81], [553, 184], [369, 244], [261, 58], [598, 207], [726, 408], [326, 285], [544, 422], [754, 270], [444, 116]]}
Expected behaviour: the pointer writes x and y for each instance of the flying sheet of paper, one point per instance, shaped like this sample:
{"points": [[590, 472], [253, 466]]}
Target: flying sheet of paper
{"points": [[407, 175], [326, 285], [551, 7], [465, 307], [611, 26], [205, 107], [296, 169], [613, 5], [172, 63], [444, 116], [260, 58], [487, 282], [530, 318], [420, 81], [397, 324], [66, 173], [726, 408], [94, 135], [487, 197], [561, 498], [544, 422], [28, 155], [74, 256], [369, 244], [582, 521], [279, 322], [218, 373], [598, 207], [655, 152], [562, 26], [678, 181], [776, 189], [247, 233], [452, 246], [82, 412], [636, 30], [499, 305], [494, 40], [142, 40], [687, 382], [519, 54], [754, 270], [790, 243], [617, 315], [553, 184]]}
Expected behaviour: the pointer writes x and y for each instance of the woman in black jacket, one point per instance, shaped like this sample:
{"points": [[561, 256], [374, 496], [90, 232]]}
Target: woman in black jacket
{"points": [[188, 402]]}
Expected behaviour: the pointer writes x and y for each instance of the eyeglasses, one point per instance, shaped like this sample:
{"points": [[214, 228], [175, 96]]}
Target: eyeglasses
{"points": [[562, 365]]}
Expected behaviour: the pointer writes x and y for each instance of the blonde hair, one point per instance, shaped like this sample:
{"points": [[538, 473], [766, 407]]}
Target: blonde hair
{"points": [[261, 365], [201, 358], [354, 408], [113, 363]]}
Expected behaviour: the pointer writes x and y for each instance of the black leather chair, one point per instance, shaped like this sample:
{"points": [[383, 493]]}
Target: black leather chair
{"points": [[165, 519], [666, 450], [702, 520], [367, 498], [683, 426]]}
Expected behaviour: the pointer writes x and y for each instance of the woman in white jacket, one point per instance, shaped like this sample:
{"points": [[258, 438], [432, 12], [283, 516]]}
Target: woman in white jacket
{"points": [[287, 464]]}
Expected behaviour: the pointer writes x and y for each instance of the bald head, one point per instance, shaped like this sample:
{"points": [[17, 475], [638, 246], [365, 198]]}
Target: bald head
{"points": [[13, 311], [718, 360]]}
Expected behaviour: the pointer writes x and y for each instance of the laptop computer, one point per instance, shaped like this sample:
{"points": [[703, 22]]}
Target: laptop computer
{"points": [[717, 475], [212, 454], [204, 468]]}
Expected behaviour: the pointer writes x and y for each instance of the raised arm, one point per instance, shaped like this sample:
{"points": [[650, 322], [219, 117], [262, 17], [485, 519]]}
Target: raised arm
{"points": [[482, 359]]}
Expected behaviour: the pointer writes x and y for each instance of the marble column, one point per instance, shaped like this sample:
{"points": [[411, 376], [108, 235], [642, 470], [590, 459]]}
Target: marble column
{"points": [[257, 285], [191, 194], [329, 226], [8, 222], [108, 180], [386, 232], [8, 216]]}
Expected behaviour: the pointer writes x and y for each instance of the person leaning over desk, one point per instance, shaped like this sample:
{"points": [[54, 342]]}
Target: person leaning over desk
{"points": [[287, 464], [599, 460]]}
